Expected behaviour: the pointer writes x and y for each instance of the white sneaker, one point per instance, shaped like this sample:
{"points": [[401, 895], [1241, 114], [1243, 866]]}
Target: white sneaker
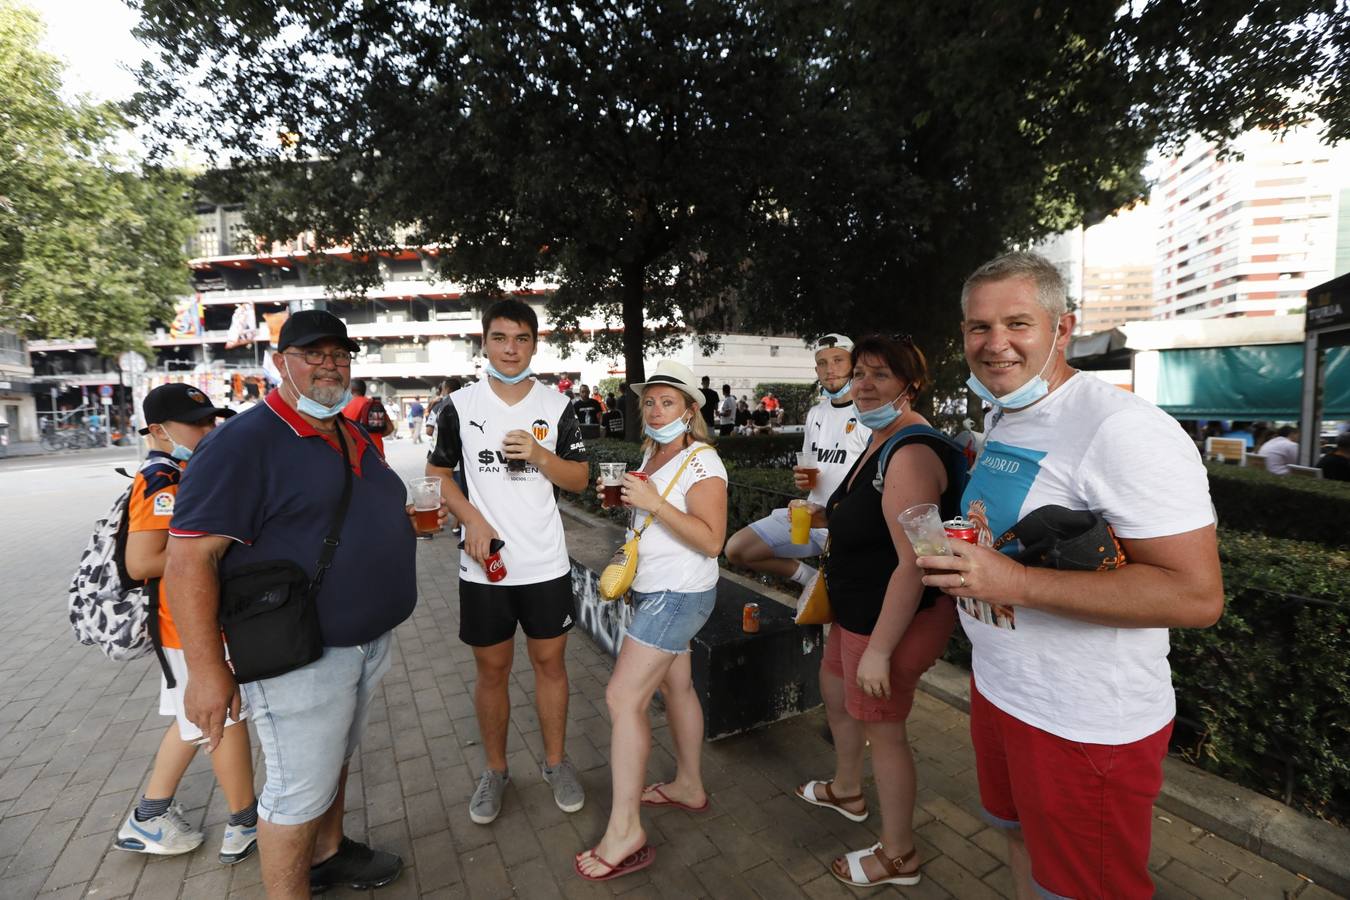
{"points": [[165, 835], [238, 844]]}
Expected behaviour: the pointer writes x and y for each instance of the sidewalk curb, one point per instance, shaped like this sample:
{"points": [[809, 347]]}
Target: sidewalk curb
{"points": [[1268, 828]]}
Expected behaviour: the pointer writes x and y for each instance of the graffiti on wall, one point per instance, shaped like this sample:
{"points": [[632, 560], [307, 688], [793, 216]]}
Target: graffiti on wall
{"points": [[604, 620]]}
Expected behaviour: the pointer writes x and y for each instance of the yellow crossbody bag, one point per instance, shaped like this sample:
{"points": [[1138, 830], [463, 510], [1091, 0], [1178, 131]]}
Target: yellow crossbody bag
{"points": [[618, 575]]}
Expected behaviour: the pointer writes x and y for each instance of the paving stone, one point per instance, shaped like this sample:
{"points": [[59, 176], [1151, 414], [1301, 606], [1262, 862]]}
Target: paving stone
{"points": [[77, 863]]}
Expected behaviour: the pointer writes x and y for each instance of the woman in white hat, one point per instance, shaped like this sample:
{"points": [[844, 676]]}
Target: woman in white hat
{"points": [[674, 591]]}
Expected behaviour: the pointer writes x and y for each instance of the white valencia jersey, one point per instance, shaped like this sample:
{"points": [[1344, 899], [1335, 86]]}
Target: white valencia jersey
{"points": [[837, 438], [521, 505]]}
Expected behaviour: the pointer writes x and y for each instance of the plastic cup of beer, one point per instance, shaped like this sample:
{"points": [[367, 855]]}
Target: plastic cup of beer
{"points": [[426, 501], [923, 527], [611, 484], [810, 466], [801, 524]]}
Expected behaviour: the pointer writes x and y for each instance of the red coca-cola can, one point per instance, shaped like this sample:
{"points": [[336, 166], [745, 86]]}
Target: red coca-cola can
{"points": [[750, 618], [493, 565], [961, 529]]}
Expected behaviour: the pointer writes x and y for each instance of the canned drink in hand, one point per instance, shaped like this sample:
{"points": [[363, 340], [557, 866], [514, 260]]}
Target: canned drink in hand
{"points": [[961, 529]]}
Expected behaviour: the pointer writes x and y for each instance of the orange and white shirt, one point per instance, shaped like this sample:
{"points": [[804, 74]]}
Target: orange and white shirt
{"points": [[150, 508]]}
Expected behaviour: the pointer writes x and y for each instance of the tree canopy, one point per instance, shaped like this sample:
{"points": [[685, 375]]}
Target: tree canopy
{"points": [[89, 247], [798, 164]]}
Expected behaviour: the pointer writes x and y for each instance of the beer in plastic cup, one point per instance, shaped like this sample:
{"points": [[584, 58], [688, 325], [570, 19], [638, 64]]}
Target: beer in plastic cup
{"points": [[426, 502], [611, 484], [810, 466], [923, 527], [801, 524]]}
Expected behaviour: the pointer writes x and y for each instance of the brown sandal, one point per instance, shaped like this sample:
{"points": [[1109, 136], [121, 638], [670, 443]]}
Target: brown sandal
{"points": [[858, 878], [811, 791]]}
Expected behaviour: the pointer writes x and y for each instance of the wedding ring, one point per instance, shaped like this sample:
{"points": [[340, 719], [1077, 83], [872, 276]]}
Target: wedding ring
{"points": [[963, 578]]}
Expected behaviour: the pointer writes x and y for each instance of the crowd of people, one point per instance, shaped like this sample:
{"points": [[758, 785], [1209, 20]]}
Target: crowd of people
{"points": [[269, 532]]}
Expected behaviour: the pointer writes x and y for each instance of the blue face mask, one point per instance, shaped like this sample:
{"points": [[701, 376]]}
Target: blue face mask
{"points": [[314, 408], [668, 432], [882, 416], [492, 372], [179, 452], [835, 395], [1022, 397]]}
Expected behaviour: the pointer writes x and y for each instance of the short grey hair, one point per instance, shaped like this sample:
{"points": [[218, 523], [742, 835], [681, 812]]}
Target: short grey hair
{"points": [[1050, 290]]}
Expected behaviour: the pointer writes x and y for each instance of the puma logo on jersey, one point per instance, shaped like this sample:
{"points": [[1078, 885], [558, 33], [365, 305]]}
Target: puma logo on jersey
{"points": [[479, 427]]}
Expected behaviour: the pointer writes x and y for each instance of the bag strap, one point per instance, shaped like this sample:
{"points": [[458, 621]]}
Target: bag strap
{"points": [[637, 532], [956, 473], [330, 543]]}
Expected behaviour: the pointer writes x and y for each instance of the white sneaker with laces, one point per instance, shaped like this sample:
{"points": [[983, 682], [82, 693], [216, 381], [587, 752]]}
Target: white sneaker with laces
{"points": [[164, 835]]}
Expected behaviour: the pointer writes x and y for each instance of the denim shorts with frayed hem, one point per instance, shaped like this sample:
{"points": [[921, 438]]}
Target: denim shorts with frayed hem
{"points": [[668, 620], [309, 724]]}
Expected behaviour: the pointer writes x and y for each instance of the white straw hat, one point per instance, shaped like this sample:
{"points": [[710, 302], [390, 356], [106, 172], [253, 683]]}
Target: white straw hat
{"points": [[672, 374]]}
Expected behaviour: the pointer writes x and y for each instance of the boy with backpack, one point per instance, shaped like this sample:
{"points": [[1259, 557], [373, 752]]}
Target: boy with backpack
{"points": [[177, 416], [369, 413]]}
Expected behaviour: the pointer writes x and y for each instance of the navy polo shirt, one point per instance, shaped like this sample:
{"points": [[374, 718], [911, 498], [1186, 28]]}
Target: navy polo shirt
{"points": [[271, 483]]}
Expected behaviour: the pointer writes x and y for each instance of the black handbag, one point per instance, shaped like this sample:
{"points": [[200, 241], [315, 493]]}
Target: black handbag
{"points": [[268, 609]]}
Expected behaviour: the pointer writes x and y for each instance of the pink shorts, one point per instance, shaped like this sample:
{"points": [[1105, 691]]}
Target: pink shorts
{"points": [[923, 642], [1085, 810]]}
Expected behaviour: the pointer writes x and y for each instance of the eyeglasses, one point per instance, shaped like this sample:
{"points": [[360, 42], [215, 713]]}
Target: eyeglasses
{"points": [[341, 358]]}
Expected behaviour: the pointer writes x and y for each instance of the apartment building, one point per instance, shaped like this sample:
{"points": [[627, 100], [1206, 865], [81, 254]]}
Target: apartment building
{"points": [[1248, 234], [1114, 295]]}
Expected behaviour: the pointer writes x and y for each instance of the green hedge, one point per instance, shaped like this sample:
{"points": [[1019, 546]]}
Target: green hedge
{"points": [[1300, 509], [1264, 696]]}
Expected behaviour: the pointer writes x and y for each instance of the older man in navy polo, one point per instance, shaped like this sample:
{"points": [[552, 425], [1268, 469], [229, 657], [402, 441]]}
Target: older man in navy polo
{"points": [[267, 489]]}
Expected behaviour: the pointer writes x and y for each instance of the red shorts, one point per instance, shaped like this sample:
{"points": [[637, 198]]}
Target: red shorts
{"points": [[923, 642], [1086, 810]]}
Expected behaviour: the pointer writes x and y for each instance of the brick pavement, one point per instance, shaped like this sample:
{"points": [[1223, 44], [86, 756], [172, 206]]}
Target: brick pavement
{"points": [[77, 734]]}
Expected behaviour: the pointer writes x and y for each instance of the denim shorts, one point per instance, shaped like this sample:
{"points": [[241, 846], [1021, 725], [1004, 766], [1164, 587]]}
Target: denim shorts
{"points": [[668, 620], [309, 724]]}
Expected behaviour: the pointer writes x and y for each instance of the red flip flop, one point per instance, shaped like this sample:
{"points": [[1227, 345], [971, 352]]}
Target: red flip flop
{"points": [[641, 859], [667, 801]]}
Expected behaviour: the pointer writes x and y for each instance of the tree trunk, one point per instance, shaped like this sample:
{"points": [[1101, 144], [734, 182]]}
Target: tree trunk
{"points": [[634, 343]]}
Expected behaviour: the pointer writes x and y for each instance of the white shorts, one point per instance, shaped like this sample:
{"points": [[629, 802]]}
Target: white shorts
{"points": [[171, 699], [775, 529]]}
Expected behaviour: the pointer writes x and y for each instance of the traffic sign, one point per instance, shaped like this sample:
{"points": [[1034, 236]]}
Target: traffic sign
{"points": [[105, 391]]}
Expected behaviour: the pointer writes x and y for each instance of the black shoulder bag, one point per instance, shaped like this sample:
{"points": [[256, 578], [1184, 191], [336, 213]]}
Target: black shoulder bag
{"points": [[268, 609]]}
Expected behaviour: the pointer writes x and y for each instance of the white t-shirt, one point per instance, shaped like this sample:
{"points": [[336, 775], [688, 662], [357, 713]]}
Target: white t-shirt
{"points": [[666, 563], [1279, 453], [521, 506], [1088, 445], [834, 434]]}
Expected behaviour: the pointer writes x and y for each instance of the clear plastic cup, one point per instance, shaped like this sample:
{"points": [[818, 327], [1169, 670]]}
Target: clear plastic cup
{"points": [[923, 527], [810, 466], [426, 503], [611, 484]]}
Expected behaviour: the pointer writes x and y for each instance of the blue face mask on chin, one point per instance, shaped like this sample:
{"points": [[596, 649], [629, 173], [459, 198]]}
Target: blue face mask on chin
{"points": [[314, 408], [835, 395], [882, 416], [492, 372], [1021, 397], [667, 432], [179, 452]]}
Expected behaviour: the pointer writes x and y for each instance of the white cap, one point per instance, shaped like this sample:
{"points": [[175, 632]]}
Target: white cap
{"points": [[833, 342]]}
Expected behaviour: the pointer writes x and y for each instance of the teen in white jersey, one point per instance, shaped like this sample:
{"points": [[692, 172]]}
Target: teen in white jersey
{"points": [[1072, 704], [518, 442], [835, 438]]}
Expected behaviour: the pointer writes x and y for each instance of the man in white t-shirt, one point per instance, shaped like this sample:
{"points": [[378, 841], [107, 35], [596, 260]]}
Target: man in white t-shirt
{"points": [[1281, 451], [517, 442], [1071, 701], [835, 438]]}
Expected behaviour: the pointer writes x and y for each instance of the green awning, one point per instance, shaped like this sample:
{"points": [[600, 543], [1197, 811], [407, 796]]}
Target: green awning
{"points": [[1246, 383]]}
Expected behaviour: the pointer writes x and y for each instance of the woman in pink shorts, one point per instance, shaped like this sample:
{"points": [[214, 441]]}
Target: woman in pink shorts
{"points": [[888, 628]]}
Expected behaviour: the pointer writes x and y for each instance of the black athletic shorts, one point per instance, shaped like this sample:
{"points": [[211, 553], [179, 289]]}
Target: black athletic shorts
{"points": [[489, 613]]}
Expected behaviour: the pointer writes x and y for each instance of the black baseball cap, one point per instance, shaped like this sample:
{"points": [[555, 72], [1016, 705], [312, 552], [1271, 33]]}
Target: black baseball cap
{"points": [[179, 403], [310, 325]]}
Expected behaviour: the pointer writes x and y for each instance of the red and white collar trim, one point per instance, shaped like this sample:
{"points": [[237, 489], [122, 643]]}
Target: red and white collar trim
{"points": [[284, 411]]}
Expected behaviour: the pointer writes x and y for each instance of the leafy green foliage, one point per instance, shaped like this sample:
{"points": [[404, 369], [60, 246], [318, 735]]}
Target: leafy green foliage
{"points": [[795, 397], [1264, 696], [1301, 509], [88, 246], [720, 165]]}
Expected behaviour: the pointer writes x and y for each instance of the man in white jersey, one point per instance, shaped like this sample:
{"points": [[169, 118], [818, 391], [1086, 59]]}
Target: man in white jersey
{"points": [[518, 442], [1071, 696], [835, 438]]}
